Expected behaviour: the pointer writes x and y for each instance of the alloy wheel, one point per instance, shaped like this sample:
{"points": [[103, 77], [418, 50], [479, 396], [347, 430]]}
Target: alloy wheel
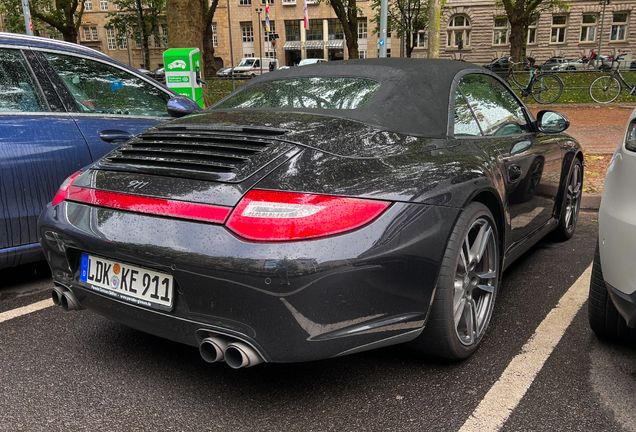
{"points": [[475, 282], [573, 198]]}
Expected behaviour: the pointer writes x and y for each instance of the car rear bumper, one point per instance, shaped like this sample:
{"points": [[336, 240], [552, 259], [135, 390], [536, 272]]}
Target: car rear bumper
{"points": [[291, 301]]}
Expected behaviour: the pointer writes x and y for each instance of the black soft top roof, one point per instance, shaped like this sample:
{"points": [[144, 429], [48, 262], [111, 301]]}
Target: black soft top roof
{"points": [[413, 97]]}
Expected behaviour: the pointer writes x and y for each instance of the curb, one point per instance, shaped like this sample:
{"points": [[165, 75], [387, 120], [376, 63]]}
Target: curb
{"points": [[590, 201]]}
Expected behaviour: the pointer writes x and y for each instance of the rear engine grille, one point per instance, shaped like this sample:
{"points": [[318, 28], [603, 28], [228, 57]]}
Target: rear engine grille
{"points": [[206, 152]]}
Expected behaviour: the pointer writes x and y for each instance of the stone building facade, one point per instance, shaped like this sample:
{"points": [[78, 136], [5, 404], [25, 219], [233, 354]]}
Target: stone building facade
{"points": [[484, 31]]}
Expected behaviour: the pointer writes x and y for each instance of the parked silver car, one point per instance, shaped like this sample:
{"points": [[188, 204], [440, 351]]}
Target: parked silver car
{"points": [[612, 302], [562, 64]]}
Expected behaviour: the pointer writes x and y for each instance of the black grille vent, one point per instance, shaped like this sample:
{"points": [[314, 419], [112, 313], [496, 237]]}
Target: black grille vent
{"points": [[207, 152]]}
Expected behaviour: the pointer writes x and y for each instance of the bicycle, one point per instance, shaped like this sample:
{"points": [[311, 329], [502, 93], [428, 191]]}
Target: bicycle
{"points": [[544, 87], [607, 88]]}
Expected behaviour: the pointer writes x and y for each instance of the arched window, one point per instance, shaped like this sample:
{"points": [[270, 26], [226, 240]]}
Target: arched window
{"points": [[458, 30]]}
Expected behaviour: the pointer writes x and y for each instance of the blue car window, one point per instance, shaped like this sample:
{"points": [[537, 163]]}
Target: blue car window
{"points": [[104, 89], [18, 90]]}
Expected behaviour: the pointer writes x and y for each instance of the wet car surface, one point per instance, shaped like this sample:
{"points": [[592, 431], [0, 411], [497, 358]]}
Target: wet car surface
{"points": [[318, 212]]}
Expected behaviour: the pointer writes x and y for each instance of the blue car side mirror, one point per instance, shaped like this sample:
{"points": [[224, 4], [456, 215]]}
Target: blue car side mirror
{"points": [[180, 106]]}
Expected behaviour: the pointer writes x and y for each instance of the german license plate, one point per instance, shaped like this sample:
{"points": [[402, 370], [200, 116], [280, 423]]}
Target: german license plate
{"points": [[129, 283]]}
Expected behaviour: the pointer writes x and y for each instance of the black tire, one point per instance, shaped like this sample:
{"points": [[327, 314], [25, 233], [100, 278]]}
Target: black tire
{"points": [[603, 316], [572, 192], [547, 88], [605, 89], [466, 287]]}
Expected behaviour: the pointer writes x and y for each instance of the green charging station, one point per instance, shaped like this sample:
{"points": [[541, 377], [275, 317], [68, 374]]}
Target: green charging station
{"points": [[183, 66]]}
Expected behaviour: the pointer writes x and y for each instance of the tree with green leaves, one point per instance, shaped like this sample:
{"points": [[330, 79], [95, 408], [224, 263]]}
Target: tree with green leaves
{"points": [[347, 13], [405, 17], [139, 20], [63, 16], [519, 13]]}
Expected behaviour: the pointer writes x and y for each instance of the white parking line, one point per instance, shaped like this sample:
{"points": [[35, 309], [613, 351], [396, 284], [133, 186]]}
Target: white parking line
{"points": [[504, 396], [14, 313]]}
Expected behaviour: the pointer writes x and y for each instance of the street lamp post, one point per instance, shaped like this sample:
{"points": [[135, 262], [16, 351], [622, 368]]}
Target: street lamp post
{"points": [[260, 37], [600, 40]]}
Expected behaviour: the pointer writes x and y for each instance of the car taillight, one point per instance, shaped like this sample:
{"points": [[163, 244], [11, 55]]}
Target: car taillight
{"points": [[149, 205], [278, 216], [63, 190]]}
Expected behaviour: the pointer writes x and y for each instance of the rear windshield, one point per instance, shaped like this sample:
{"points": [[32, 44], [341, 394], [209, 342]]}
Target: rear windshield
{"points": [[317, 93]]}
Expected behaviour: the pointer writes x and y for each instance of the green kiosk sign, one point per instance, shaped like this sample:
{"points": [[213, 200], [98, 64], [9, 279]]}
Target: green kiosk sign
{"points": [[182, 66]]}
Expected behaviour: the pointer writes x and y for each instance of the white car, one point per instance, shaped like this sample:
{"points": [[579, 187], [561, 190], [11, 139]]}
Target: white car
{"points": [[311, 61], [612, 301]]}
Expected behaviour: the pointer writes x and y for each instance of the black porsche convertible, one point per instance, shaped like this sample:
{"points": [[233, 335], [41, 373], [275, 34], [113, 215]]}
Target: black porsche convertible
{"points": [[317, 212]]}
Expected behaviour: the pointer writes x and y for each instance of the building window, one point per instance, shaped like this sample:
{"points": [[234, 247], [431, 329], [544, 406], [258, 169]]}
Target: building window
{"points": [[588, 28], [458, 30], [559, 24], [314, 31], [103, 4], [94, 33], [362, 28], [270, 54], [248, 54], [292, 30], [157, 40], [247, 29], [362, 54], [245, 2], [215, 35], [123, 43], [420, 40], [87, 33], [336, 31], [532, 30], [88, 5], [289, 2], [619, 27], [110, 38], [164, 33], [500, 33], [271, 2]]}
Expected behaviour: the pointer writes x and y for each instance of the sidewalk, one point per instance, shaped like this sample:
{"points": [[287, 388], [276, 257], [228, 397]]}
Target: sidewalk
{"points": [[599, 129]]}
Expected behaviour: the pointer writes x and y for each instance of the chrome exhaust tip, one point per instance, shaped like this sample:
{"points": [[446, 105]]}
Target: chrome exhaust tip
{"points": [[69, 302], [212, 349], [239, 355], [56, 294]]}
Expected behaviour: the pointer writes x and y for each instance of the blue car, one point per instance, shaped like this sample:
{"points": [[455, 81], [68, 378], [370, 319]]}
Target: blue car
{"points": [[62, 107]]}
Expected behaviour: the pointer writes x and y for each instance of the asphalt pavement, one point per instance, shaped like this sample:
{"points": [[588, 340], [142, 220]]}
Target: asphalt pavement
{"points": [[76, 371]]}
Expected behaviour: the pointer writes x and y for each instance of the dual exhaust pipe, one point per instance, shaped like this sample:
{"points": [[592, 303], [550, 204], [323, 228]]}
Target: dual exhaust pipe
{"points": [[213, 348], [65, 298], [236, 354]]}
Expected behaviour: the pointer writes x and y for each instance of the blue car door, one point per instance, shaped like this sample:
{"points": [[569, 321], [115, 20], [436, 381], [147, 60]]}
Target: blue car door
{"points": [[103, 96], [40, 145]]}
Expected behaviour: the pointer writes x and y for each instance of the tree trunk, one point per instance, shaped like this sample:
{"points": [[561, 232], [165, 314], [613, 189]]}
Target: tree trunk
{"points": [[433, 28], [209, 65], [185, 24], [208, 53], [351, 37], [516, 40]]}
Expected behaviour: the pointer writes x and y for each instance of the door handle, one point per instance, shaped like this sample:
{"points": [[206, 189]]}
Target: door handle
{"points": [[114, 136], [514, 173]]}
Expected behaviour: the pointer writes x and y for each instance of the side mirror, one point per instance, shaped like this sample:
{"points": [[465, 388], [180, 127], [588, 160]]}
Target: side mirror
{"points": [[180, 106], [552, 122]]}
